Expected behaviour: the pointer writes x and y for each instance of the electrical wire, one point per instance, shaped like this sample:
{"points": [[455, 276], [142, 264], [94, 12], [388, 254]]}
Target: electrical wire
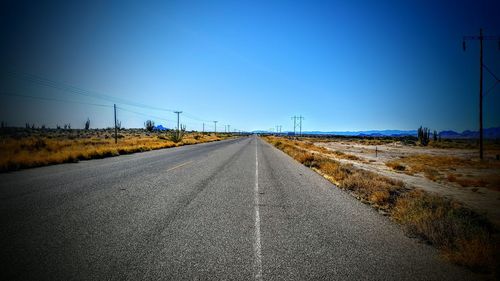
{"points": [[50, 99], [94, 94], [79, 91]]}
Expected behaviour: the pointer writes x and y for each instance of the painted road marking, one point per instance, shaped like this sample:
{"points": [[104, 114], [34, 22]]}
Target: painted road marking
{"points": [[180, 165], [257, 246]]}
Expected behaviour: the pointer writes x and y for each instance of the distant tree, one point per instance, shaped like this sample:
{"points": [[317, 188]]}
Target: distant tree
{"points": [[87, 124], [423, 136], [58, 127], [149, 125]]}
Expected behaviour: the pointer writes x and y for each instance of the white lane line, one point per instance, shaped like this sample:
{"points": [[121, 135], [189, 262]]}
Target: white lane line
{"points": [[178, 166], [256, 245]]}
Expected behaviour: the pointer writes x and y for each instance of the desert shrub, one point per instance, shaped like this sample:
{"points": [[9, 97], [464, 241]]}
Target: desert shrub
{"points": [[395, 166], [464, 236], [335, 170], [308, 159]]}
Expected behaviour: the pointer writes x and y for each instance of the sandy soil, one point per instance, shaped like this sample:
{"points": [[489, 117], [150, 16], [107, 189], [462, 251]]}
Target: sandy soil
{"points": [[373, 158]]}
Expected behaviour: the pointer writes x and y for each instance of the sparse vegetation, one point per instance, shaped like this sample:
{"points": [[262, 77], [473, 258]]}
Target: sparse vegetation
{"points": [[395, 165], [20, 149], [463, 236], [466, 182]]}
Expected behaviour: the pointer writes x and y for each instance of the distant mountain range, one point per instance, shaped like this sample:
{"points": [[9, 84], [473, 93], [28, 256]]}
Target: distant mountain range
{"points": [[490, 133]]}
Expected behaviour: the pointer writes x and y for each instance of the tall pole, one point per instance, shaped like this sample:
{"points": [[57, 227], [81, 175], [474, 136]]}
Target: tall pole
{"points": [[215, 127], [300, 125], [294, 124], [481, 93], [203, 128], [481, 38], [177, 112], [116, 129], [229, 128]]}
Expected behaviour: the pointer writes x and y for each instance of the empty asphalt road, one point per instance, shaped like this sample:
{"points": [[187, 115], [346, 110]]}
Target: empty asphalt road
{"points": [[231, 210]]}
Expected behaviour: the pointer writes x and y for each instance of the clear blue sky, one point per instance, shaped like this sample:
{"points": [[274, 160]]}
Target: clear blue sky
{"points": [[343, 65]]}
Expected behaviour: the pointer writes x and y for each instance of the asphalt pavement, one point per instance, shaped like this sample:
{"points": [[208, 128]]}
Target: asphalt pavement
{"points": [[231, 210]]}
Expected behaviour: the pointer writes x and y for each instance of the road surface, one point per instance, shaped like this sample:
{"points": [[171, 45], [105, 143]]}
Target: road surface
{"points": [[235, 210]]}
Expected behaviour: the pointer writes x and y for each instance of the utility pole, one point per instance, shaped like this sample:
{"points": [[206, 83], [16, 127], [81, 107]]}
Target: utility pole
{"points": [[481, 38], [294, 124], [203, 128], [116, 131], [215, 127], [178, 112], [300, 125], [295, 118], [229, 128], [278, 129]]}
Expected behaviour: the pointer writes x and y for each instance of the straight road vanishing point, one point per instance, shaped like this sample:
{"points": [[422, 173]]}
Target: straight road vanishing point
{"points": [[232, 210]]}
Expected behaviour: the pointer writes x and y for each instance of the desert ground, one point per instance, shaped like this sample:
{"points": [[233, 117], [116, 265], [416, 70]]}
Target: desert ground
{"points": [[453, 171]]}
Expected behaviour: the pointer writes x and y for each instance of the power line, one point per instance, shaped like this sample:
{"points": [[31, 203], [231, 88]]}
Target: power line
{"points": [[79, 91], [50, 99], [145, 115], [93, 94]]}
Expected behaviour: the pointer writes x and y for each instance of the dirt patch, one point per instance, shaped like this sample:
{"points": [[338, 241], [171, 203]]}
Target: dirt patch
{"points": [[455, 173]]}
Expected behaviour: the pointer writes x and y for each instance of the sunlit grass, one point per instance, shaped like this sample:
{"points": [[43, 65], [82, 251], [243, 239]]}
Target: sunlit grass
{"points": [[51, 148]]}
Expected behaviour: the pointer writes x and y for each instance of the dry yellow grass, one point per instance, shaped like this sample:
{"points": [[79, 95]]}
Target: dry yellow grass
{"points": [[436, 168], [395, 165], [466, 182], [463, 236], [33, 151], [369, 187], [309, 146]]}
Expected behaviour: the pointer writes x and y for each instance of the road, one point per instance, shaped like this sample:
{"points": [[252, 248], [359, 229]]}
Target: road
{"points": [[235, 210]]}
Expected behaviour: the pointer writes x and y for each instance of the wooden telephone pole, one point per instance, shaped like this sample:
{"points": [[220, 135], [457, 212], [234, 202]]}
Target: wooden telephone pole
{"points": [[481, 38]]}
